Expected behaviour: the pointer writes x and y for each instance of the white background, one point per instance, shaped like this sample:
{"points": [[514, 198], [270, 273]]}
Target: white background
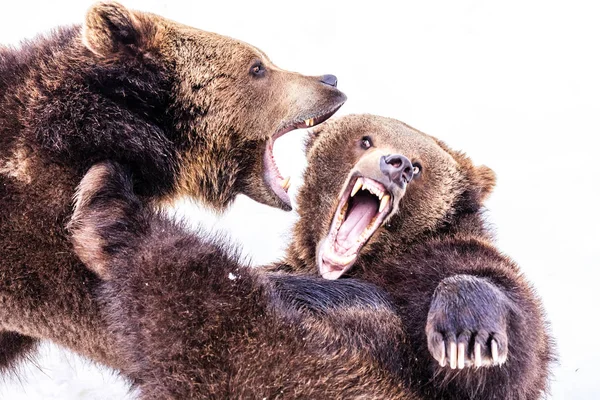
{"points": [[515, 84]]}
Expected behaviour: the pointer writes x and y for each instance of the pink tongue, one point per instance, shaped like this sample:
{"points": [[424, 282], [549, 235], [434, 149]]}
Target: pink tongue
{"points": [[363, 207]]}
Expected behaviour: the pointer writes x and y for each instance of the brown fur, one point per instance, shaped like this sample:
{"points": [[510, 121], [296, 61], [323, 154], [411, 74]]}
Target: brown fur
{"points": [[438, 234], [177, 105], [193, 322]]}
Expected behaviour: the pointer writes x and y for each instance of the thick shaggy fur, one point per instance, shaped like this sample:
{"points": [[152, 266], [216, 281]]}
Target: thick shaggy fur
{"points": [[436, 259], [177, 105], [195, 323]]}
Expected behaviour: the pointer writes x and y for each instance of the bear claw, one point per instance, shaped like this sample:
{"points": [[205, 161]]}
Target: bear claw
{"points": [[466, 325], [477, 355], [461, 355]]}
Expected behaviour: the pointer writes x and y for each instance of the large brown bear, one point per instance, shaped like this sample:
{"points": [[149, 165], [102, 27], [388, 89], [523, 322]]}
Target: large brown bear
{"points": [[191, 113], [449, 316]]}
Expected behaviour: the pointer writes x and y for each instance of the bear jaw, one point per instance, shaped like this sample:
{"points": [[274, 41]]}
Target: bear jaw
{"points": [[364, 205]]}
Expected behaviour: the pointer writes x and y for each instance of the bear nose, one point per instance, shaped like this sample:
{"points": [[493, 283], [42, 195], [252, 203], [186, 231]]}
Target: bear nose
{"points": [[397, 167], [330, 80]]}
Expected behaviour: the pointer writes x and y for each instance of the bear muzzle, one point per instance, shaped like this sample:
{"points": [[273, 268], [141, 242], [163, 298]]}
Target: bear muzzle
{"points": [[370, 197]]}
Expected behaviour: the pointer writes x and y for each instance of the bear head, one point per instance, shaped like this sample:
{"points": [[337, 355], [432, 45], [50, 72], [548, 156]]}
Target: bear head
{"points": [[374, 183], [222, 106]]}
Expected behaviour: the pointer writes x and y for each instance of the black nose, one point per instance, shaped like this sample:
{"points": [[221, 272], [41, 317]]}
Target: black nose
{"points": [[397, 167], [330, 80]]}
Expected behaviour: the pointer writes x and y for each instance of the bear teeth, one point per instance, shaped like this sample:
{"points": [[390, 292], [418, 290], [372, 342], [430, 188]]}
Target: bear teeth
{"points": [[342, 260], [357, 186], [362, 184], [384, 202], [342, 213], [285, 184], [365, 185]]}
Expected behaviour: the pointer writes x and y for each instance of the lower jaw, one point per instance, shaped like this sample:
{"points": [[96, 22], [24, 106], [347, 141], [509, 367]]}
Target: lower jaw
{"points": [[332, 264], [282, 195], [330, 269], [332, 275]]}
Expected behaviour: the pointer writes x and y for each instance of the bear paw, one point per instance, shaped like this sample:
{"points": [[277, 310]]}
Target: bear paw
{"points": [[467, 322]]}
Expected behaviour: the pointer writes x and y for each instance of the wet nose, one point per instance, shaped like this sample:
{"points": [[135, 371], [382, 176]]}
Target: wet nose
{"points": [[397, 167], [330, 80]]}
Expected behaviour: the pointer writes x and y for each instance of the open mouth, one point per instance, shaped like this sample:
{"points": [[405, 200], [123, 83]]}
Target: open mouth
{"points": [[278, 184], [363, 207]]}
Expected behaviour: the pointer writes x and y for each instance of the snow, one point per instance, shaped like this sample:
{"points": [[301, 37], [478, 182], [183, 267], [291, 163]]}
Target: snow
{"points": [[514, 84], [61, 375]]}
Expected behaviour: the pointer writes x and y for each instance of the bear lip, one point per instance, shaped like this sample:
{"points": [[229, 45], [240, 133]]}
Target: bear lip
{"points": [[272, 177], [360, 212]]}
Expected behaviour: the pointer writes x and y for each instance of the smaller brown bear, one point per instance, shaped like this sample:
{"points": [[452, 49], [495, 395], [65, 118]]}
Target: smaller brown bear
{"points": [[455, 320], [403, 211]]}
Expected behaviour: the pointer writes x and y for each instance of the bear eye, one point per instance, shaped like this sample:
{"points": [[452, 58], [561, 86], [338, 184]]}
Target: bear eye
{"points": [[417, 169], [257, 69], [366, 142]]}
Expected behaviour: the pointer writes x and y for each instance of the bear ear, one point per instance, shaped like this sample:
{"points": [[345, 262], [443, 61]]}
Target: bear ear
{"points": [[111, 29], [481, 178], [484, 179]]}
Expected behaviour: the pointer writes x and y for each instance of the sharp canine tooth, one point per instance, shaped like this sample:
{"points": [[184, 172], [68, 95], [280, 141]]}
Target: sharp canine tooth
{"points": [[307, 122], [384, 202], [286, 183], [356, 187]]}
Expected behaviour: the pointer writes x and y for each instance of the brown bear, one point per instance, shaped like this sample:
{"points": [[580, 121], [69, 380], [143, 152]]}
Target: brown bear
{"points": [[191, 113], [437, 313], [405, 212]]}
